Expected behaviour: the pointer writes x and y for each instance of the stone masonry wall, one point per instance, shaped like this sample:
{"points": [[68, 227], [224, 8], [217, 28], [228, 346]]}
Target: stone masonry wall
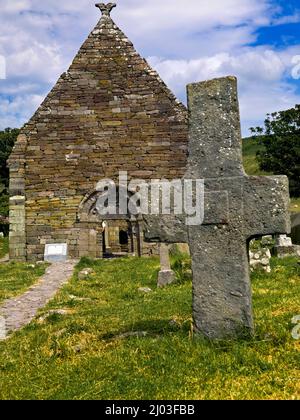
{"points": [[17, 234]]}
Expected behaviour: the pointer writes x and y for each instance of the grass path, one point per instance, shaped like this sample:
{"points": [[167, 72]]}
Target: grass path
{"points": [[93, 352]]}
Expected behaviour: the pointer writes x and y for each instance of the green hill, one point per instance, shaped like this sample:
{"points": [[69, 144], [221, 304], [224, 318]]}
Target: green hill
{"points": [[250, 148]]}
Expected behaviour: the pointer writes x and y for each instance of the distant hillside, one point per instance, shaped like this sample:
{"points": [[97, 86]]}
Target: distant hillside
{"points": [[250, 148]]}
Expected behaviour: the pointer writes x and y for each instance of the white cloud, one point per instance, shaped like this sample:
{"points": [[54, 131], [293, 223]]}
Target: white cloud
{"points": [[18, 88], [259, 65], [2, 67], [257, 101], [16, 112], [38, 61], [283, 20], [188, 41], [190, 15], [260, 73], [8, 6]]}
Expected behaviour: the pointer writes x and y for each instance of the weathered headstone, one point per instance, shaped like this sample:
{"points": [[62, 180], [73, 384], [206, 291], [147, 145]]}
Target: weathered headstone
{"points": [[284, 240], [166, 276], [106, 238], [56, 252], [260, 259], [284, 247], [237, 208]]}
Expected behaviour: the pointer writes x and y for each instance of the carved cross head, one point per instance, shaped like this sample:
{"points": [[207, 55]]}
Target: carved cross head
{"points": [[106, 8]]}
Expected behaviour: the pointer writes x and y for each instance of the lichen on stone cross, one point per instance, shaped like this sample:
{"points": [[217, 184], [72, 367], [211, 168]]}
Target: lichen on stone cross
{"points": [[237, 208], [106, 8]]}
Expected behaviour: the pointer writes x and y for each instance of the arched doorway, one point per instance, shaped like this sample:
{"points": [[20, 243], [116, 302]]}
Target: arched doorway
{"points": [[120, 235]]}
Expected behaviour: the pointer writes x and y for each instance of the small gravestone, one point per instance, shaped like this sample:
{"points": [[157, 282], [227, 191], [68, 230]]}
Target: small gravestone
{"points": [[166, 276], [86, 273], [284, 247], [260, 259], [145, 290], [56, 252]]}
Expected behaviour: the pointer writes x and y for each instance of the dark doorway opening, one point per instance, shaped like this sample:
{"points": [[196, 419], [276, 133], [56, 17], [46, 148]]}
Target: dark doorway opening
{"points": [[123, 237]]}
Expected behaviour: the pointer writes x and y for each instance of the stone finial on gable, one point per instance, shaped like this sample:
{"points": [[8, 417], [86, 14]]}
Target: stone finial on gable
{"points": [[106, 8]]}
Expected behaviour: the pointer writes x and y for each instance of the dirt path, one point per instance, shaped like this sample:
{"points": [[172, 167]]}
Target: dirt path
{"points": [[17, 312]]}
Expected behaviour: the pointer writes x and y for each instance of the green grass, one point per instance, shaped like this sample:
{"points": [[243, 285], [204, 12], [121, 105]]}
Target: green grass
{"points": [[16, 278], [3, 247], [250, 149], [295, 205], [82, 356]]}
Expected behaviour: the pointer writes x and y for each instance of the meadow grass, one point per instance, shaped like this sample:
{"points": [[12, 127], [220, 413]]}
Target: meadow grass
{"points": [[88, 353], [17, 278], [3, 247], [250, 148], [295, 205]]}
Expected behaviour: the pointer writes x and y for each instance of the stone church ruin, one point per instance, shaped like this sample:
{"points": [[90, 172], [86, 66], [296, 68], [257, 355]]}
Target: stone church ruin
{"points": [[109, 112]]}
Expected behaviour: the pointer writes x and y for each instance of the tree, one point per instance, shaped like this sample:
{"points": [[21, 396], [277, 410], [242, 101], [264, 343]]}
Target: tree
{"points": [[7, 141], [280, 139]]}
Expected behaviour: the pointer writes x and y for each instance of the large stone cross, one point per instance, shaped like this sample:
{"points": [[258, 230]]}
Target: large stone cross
{"points": [[237, 208]]}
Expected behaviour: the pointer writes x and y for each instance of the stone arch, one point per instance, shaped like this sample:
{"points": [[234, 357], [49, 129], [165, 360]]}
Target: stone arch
{"points": [[88, 217], [87, 211]]}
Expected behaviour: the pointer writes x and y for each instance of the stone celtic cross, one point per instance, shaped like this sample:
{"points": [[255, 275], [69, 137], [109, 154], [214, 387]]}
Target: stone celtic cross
{"points": [[106, 8], [237, 208]]}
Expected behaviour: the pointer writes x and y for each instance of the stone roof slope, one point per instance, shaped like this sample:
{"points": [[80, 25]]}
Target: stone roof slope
{"points": [[107, 58]]}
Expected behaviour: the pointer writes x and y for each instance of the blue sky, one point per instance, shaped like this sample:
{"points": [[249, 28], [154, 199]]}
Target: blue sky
{"points": [[256, 40]]}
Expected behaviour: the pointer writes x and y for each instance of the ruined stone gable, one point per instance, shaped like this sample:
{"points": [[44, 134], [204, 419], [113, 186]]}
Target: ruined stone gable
{"points": [[109, 112]]}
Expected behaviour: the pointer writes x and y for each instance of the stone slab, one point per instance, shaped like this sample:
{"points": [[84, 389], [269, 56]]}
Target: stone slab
{"points": [[56, 252]]}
